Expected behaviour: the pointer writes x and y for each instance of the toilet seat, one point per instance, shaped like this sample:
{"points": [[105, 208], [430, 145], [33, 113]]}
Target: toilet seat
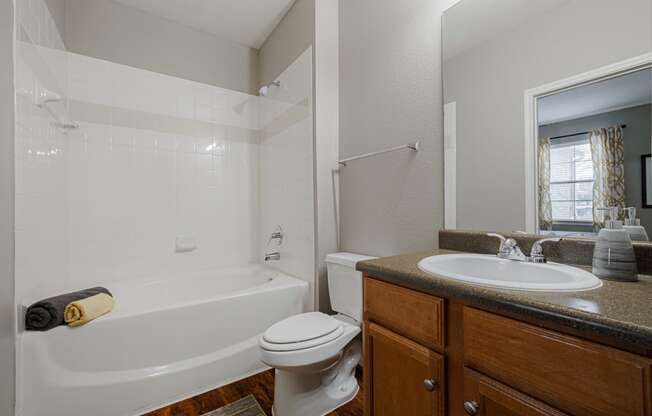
{"points": [[301, 331], [322, 352]]}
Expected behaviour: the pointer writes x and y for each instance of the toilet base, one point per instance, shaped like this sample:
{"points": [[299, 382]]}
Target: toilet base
{"points": [[317, 394]]}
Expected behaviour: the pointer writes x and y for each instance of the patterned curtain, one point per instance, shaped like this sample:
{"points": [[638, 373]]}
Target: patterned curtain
{"points": [[545, 207], [608, 154]]}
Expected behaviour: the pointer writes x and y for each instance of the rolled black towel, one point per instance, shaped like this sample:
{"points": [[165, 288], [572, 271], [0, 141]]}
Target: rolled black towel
{"points": [[48, 313]]}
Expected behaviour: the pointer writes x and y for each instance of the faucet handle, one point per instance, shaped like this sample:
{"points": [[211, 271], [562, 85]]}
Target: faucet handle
{"points": [[506, 244], [276, 235], [536, 253], [509, 248], [502, 238]]}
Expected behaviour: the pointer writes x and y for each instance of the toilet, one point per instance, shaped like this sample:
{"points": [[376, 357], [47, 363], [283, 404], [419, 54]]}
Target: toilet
{"points": [[314, 354]]}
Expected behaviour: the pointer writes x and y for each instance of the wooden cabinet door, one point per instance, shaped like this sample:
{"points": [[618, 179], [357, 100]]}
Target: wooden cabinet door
{"points": [[577, 376], [486, 397], [401, 377]]}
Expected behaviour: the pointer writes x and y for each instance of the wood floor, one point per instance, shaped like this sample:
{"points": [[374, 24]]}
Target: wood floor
{"points": [[260, 385]]}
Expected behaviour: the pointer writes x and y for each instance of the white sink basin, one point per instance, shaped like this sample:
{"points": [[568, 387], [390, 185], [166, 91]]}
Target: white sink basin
{"points": [[491, 271]]}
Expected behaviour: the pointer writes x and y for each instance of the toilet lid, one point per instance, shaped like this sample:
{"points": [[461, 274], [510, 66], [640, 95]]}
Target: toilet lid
{"points": [[301, 328]]}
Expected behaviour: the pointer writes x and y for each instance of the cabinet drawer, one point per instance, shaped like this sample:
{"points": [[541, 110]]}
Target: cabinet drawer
{"points": [[414, 315], [487, 397], [573, 375], [401, 376]]}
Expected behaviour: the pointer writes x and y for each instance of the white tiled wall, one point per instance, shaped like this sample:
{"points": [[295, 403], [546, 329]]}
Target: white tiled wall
{"points": [[158, 158], [155, 158]]}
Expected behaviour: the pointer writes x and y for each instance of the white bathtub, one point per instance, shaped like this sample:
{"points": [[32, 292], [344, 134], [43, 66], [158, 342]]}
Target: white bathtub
{"points": [[165, 340]]}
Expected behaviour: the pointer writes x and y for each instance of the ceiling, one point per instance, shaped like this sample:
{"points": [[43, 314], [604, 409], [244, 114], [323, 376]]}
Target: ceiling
{"points": [[247, 22], [613, 94]]}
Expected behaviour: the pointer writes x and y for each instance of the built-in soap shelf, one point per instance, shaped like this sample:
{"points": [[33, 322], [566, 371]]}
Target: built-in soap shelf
{"points": [[47, 100]]}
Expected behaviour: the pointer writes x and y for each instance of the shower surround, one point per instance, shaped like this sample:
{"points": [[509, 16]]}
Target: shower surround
{"points": [[164, 180]]}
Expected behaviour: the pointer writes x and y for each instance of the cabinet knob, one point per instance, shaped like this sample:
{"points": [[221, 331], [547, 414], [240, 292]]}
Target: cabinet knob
{"points": [[429, 384], [471, 408]]}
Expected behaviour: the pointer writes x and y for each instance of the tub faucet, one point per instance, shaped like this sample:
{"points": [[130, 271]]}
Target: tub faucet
{"points": [[273, 256]]}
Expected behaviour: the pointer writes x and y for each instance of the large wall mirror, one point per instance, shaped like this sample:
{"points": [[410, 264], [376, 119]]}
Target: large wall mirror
{"points": [[547, 114]]}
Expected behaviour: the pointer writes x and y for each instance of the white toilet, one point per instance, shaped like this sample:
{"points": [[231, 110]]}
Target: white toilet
{"points": [[314, 354]]}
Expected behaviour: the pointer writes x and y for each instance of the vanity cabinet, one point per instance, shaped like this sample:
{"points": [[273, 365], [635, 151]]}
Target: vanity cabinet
{"points": [[404, 373], [405, 377], [426, 355]]}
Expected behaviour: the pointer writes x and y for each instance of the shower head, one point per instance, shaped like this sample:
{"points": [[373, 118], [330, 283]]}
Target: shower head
{"points": [[264, 90]]}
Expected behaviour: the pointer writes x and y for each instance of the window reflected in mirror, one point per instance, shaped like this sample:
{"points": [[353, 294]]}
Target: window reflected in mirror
{"points": [[593, 140]]}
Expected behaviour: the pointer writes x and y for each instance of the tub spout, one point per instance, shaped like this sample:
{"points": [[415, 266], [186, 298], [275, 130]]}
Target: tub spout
{"points": [[273, 256]]}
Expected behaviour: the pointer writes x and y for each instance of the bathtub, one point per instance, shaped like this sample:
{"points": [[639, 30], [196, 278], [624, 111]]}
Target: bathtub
{"points": [[165, 340]]}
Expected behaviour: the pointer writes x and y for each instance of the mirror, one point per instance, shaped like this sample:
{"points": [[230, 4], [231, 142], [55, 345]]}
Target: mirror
{"points": [[548, 115]]}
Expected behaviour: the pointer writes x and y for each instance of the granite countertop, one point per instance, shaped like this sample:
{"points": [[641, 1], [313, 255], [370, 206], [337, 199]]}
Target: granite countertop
{"points": [[618, 311]]}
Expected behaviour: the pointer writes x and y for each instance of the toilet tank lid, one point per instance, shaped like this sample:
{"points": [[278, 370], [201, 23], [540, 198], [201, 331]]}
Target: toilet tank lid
{"points": [[347, 259]]}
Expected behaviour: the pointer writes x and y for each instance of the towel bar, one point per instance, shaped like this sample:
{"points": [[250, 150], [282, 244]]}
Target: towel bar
{"points": [[411, 146]]}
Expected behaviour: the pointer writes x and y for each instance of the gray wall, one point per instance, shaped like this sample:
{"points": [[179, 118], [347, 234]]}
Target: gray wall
{"points": [[637, 142], [58, 11], [488, 82], [7, 316], [108, 30], [294, 33], [390, 94]]}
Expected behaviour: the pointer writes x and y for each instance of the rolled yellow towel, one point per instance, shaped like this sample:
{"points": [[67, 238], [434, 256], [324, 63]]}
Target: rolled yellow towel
{"points": [[85, 310]]}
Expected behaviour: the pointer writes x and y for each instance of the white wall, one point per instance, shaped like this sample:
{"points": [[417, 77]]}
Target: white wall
{"points": [[7, 310], [390, 94], [327, 91], [109, 30], [286, 171], [488, 81]]}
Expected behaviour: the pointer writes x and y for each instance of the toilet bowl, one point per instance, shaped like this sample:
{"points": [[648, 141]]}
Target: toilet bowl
{"points": [[315, 355]]}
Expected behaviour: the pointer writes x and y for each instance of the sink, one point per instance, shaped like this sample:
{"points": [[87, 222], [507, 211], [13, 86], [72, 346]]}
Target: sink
{"points": [[492, 271]]}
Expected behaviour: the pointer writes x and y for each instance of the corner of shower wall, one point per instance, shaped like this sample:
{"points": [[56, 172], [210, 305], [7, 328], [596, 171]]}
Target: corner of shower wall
{"points": [[7, 128], [286, 171], [40, 150], [39, 160]]}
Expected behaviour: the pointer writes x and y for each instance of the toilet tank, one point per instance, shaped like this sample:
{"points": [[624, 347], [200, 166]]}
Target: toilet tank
{"points": [[345, 283]]}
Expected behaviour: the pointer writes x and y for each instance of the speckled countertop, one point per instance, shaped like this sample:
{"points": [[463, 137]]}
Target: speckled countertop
{"points": [[617, 312]]}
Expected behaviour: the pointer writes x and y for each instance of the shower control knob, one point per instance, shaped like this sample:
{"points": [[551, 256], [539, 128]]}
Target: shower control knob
{"points": [[429, 384], [471, 408]]}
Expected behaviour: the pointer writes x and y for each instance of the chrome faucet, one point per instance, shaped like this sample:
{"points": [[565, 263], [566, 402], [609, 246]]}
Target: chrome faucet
{"points": [[536, 254], [273, 256], [510, 250], [277, 236]]}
